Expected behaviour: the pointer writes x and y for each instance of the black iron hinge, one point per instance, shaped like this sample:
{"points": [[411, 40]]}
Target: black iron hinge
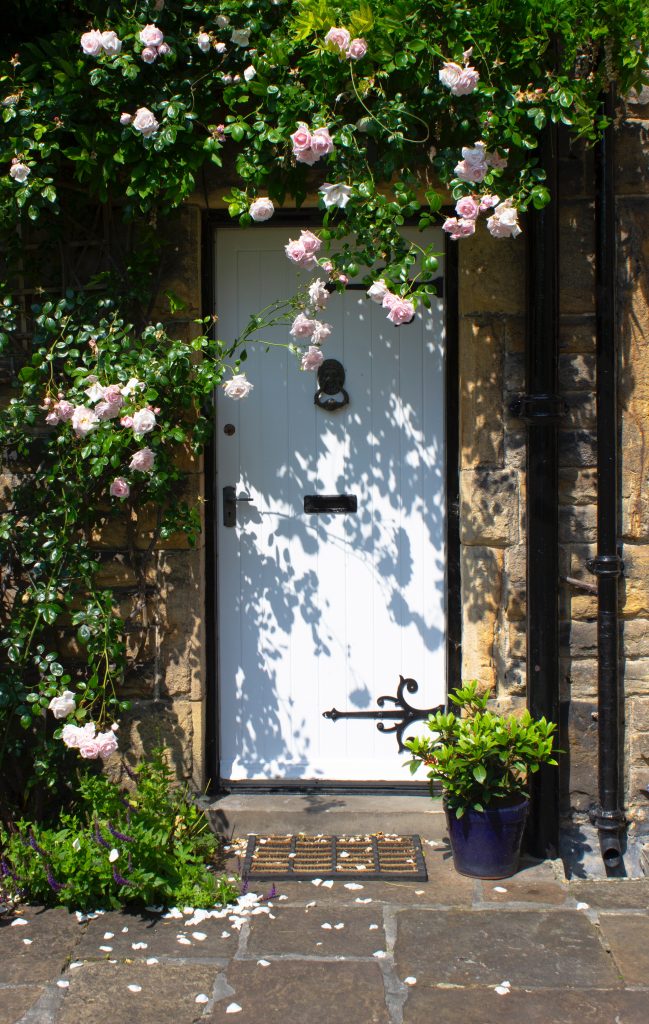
{"points": [[542, 408]]}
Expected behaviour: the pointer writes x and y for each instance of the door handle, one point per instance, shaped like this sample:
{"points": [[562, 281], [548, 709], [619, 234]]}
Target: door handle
{"points": [[230, 500]]}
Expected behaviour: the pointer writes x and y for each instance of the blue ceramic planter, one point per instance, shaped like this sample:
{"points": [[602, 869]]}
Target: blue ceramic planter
{"points": [[487, 844]]}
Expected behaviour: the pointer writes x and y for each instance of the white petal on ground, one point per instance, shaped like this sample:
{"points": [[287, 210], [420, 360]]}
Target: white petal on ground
{"points": [[75, 964], [139, 945], [225, 935], [360, 899], [263, 963], [124, 930], [199, 936], [202, 998], [233, 1008], [152, 960], [580, 906], [503, 990], [311, 904], [373, 927], [314, 881], [134, 988], [173, 912], [380, 954], [63, 984], [283, 897], [410, 980], [326, 926], [109, 935], [419, 892], [354, 885], [19, 920], [339, 926], [183, 941], [499, 888], [327, 885], [28, 942], [106, 949]]}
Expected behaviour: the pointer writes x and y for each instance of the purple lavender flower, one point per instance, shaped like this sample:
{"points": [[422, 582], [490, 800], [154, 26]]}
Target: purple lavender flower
{"points": [[52, 882], [245, 887], [131, 774], [118, 835], [34, 845], [99, 839], [119, 879], [6, 870], [272, 893]]}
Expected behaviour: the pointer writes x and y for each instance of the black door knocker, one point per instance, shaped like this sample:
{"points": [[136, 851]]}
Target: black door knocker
{"points": [[331, 378]]}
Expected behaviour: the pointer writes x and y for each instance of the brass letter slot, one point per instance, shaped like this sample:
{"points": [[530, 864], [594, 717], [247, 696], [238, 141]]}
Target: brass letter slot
{"points": [[330, 503]]}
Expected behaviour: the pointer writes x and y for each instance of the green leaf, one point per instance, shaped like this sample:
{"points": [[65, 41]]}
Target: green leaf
{"points": [[479, 773]]}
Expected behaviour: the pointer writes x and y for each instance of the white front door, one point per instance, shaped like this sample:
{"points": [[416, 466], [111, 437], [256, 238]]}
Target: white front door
{"points": [[323, 610]]}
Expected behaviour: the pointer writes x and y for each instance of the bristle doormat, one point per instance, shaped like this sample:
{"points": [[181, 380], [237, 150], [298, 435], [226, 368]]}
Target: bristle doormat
{"points": [[378, 856]]}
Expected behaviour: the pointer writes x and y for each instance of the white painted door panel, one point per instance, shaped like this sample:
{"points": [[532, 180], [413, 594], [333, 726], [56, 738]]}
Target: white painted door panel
{"points": [[317, 611]]}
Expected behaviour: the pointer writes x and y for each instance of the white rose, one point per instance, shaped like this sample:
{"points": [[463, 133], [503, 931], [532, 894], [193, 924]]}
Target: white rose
{"points": [[377, 291], [145, 122], [132, 386], [504, 221], [95, 391], [110, 42], [240, 36], [318, 294], [203, 41], [151, 35], [336, 195], [222, 21], [143, 421], [19, 171], [238, 386], [91, 42], [449, 74], [84, 420], [261, 209], [62, 706]]}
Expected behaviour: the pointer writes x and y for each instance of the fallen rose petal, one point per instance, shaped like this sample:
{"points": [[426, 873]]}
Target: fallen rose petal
{"points": [[63, 984], [233, 1008], [202, 998], [199, 936], [410, 981], [353, 885], [134, 988], [263, 963]]}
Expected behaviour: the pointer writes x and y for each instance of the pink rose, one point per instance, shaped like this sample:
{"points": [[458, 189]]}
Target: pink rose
{"points": [[113, 394], [357, 49], [301, 138], [466, 83], [496, 160], [151, 35], [106, 744], [303, 327], [143, 421], [321, 142], [145, 122], [401, 311], [89, 749], [467, 207], [91, 43], [64, 410], [74, 735], [312, 358], [321, 332], [318, 294], [311, 242], [295, 251], [504, 221], [119, 488], [306, 156], [19, 171], [110, 43], [338, 38], [143, 460], [389, 299], [458, 228], [164, 49], [125, 118], [84, 420], [149, 54], [51, 419], [64, 705], [488, 202], [473, 166], [107, 410], [203, 41], [126, 421], [261, 209]]}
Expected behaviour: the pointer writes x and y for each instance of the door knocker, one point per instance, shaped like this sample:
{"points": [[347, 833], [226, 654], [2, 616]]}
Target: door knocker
{"points": [[331, 378]]}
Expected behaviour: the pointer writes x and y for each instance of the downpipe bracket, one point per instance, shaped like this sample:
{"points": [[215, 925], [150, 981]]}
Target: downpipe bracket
{"points": [[610, 826], [606, 566]]}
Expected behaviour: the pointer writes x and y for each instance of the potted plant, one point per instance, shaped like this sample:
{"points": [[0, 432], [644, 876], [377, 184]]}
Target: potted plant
{"points": [[483, 761]]}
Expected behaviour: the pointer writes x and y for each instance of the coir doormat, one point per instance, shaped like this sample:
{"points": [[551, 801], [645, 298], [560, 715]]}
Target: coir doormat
{"points": [[378, 856]]}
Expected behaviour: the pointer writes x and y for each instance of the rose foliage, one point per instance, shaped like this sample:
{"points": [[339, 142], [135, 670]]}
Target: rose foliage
{"points": [[384, 111]]}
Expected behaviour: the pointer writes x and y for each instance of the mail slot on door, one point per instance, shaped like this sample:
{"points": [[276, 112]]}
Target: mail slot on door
{"points": [[330, 503]]}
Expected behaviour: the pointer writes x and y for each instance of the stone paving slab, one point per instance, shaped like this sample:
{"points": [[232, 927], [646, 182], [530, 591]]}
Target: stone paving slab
{"points": [[99, 993], [612, 893], [541, 1006], [15, 1002], [152, 935], [627, 936], [483, 947], [52, 935], [304, 991], [301, 931]]}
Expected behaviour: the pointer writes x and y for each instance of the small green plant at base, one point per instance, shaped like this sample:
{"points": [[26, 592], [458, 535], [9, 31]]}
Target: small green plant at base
{"points": [[118, 847], [481, 759]]}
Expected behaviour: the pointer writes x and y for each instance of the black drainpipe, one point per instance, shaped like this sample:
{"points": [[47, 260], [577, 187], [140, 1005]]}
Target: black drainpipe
{"points": [[541, 409], [608, 815]]}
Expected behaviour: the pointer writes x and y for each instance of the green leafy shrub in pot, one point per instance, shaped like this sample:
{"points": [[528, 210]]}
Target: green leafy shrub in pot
{"points": [[481, 759], [117, 847]]}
